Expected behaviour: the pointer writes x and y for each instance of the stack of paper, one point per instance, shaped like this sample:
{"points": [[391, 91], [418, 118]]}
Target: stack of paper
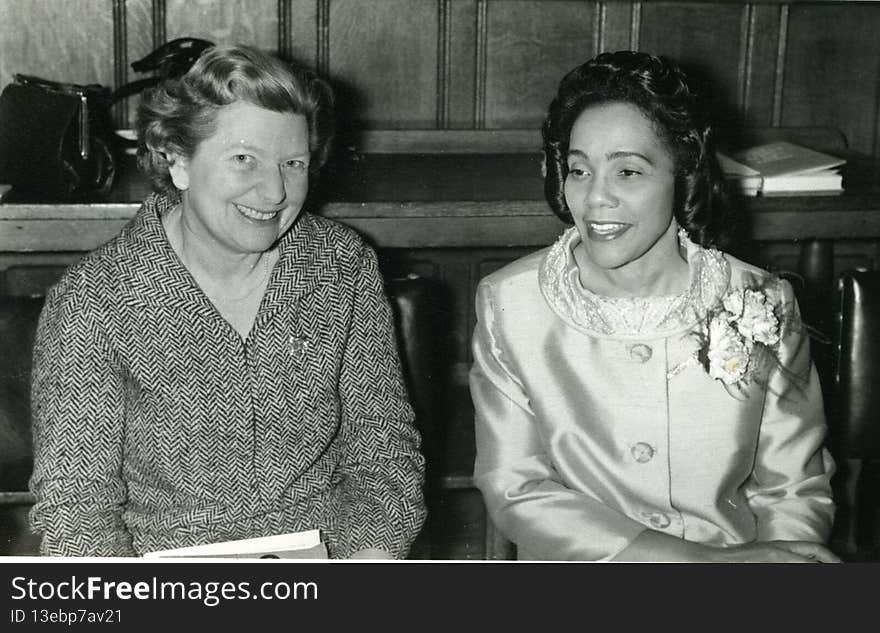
{"points": [[782, 167], [305, 544]]}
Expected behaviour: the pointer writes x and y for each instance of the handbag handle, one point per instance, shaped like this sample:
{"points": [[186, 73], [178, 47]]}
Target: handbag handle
{"points": [[172, 59]]}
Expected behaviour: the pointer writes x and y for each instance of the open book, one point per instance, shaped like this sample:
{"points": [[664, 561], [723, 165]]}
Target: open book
{"points": [[781, 167], [305, 544]]}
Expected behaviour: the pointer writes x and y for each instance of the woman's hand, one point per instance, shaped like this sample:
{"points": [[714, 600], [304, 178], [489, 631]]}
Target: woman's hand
{"points": [[371, 553], [774, 552], [652, 546]]}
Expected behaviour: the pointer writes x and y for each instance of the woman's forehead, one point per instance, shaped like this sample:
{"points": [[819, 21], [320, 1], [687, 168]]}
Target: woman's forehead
{"points": [[612, 124], [245, 124]]}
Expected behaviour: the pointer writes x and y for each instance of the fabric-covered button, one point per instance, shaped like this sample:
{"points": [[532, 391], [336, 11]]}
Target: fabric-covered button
{"points": [[642, 452], [659, 520], [640, 352]]}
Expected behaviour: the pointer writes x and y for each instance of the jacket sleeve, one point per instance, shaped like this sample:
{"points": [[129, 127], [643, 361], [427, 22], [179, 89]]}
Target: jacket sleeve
{"points": [[380, 497], [77, 408], [789, 490], [523, 492]]}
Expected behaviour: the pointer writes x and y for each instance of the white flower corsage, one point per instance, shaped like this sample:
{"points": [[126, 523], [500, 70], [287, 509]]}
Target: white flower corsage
{"points": [[743, 327]]}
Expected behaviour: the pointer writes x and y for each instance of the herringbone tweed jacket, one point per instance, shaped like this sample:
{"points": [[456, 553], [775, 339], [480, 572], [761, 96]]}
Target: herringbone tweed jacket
{"points": [[157, 426]]}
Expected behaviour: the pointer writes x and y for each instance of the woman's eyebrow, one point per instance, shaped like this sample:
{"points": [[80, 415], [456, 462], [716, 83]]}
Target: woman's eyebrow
{"points": [[611, 155], [628, 154], [255, 149], [241, 146]]}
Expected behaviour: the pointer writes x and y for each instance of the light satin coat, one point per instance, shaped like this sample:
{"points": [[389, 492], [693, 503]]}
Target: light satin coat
{"points": [[586, 439]]}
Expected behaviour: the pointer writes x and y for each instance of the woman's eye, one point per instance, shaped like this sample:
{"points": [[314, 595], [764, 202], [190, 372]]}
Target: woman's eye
{"points": [[243, 159], [295, 164], [629, 173], [577, 172]]}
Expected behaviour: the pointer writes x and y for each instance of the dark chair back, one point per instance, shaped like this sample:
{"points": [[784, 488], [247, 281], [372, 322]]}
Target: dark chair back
{"points": [[412, 301], [416, 319], [18, 323], [855, 427]]}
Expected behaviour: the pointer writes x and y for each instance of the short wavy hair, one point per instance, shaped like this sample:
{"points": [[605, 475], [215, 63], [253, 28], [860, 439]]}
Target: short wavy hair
{"points": [[178, 114], [679, 113]]}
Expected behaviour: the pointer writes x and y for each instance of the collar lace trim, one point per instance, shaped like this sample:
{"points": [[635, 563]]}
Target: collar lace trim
{"points": [[596, 314]]}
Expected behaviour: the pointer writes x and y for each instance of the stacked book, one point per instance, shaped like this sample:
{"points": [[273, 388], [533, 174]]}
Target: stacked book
{"points": [[781, 167]]}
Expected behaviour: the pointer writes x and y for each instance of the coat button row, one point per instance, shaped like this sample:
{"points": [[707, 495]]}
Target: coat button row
{"points": [[640, 352], [658, 520], [642, 452]]}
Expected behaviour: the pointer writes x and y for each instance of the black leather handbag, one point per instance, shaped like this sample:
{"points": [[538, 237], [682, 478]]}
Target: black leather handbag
{"points": [[55, 138]]}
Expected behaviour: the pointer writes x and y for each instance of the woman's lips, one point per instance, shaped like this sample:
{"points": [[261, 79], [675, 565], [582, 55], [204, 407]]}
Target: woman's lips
{"points": [[606, 231], [257, 214]]}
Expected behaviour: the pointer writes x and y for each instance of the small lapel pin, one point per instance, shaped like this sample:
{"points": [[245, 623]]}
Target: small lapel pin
{"points": [[298, 346]]}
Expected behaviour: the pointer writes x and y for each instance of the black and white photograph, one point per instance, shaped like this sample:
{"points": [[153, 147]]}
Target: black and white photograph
{"points": [[461, 284]]}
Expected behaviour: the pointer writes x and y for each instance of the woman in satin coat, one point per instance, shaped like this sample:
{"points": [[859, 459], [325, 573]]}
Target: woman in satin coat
{"points": [[639, 394]]}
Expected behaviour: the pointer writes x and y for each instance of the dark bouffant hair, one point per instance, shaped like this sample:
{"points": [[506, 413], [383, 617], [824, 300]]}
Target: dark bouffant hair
{"points": [[178, 114], [664, 95]]}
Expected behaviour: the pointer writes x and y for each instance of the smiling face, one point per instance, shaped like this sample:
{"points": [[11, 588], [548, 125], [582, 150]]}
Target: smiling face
{"points": [[245, 185], [620, 190]]}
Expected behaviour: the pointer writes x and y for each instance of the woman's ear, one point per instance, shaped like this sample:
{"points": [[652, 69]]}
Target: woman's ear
{"points": [[543, 164], [178, 170]]}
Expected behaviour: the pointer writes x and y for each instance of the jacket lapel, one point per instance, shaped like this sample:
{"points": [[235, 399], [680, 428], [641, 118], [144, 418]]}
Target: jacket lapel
{"points": [[151, 273], [307, 260]]}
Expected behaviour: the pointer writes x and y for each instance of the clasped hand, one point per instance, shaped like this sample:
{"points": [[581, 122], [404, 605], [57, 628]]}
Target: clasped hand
{"points": [[653, 546], [775, 552]]}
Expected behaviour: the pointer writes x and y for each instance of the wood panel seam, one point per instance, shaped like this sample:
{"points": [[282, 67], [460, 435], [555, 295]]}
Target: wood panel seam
{"points": [[285, 49], [482, 34], [779, 76], [444, 69], [159, 27], [635, 26], [746, 59], [323, 53], [120, 60]]}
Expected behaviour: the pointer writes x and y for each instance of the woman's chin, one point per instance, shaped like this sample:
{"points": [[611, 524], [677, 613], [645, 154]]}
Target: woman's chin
{"points": [[607, 256]]}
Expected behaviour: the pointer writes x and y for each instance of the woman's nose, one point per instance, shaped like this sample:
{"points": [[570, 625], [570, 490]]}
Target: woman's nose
{"points": [[599, 194], [271, 187]]}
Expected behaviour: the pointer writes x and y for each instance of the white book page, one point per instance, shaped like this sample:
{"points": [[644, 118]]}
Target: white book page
{"points": [[248, 547]]}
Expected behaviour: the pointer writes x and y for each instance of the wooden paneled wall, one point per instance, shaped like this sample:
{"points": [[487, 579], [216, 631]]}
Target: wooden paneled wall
{"points": [[493, 64]]}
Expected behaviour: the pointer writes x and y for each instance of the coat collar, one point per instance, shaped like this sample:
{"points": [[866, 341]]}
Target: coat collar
{"points": [[152, 274]]}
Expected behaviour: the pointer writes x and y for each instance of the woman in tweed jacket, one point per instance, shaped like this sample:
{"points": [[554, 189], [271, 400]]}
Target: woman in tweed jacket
{"points": [[225, 368]]}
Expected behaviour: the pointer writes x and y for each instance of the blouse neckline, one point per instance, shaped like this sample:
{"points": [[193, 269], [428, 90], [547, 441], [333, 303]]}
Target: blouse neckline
{"points": [[559, 280]]}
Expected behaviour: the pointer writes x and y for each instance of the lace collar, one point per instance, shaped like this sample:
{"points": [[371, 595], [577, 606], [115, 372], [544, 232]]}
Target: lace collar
{"points": [[561, 286]]}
